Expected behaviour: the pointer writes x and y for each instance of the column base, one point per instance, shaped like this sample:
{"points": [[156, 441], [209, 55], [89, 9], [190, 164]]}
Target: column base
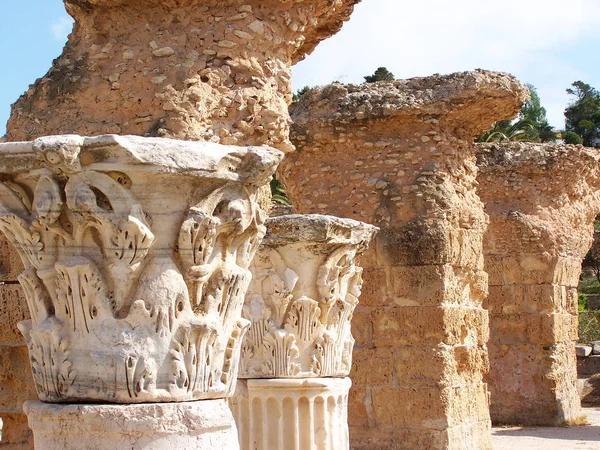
{"points": [[205, 424], [295, 414]]}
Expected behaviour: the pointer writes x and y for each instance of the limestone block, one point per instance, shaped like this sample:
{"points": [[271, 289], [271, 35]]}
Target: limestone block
{"points": [[207, 70], [362, 328], [416, 326], [13, 309], [206, 424], [372, 367], [10, 263], [583, 351], [358, 401], [16, 383], [305, 286], [136, 253], [302, 414], [442, 365]]}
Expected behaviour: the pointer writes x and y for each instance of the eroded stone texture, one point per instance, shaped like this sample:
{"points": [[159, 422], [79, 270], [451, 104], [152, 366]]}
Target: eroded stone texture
{"points": [[136, 254], [300, 414], [542, 201], [16, 435], [305, 287], [400, 155], [193, 69], [206, 424]]}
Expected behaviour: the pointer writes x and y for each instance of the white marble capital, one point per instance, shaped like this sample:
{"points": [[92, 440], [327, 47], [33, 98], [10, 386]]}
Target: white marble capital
{"points": [[136, 253]]}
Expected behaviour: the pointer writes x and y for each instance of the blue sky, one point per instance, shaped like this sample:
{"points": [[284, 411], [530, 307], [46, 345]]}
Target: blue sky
{"points": [[548, 43]]}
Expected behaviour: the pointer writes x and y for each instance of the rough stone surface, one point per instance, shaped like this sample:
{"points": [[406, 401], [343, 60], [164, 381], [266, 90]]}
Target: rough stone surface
{"points": [[542, 201], [305, 286], [400, 155], [16, 383], [16, 435], [300, 414], [583, 351], [136, 253], [193, 69], [13, 309], [206, 424]]}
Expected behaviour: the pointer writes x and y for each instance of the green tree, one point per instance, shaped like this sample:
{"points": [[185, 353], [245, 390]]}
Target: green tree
{"points": [[531, 124], [583, 114], [505, 130], [381, 74], [279, 195], [299, 93], [534, 113], [570, 137]]}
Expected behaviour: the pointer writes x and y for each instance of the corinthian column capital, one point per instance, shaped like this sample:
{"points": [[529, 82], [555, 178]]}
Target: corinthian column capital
{"points": [[136, 254]]}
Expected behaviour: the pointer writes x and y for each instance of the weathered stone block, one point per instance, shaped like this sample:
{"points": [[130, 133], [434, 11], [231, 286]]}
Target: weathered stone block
{"points": [[372, 367], [425, 285], [10, 262], [431, 408], [13, 309], [394, 438], [441, 366], [359, 402], [406, 407], [423, 326], [16, 434], [375, 290], [362, 327], [16, 381]]}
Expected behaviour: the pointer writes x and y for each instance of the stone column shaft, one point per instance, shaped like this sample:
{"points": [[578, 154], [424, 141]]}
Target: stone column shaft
{"points": [[400, 155], [292, 414]]}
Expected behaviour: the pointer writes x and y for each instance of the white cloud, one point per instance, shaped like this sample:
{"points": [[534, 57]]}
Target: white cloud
{"points": [[61, 28], [524, 37]]}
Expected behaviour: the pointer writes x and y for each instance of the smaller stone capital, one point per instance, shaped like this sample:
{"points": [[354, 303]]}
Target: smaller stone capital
{"points": [[305, 287]]}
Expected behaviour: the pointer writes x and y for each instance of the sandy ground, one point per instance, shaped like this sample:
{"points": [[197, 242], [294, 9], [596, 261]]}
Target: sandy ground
{"points": [[568, 438]]}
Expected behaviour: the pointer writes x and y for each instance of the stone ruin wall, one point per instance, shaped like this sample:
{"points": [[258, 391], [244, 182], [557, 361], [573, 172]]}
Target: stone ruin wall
{"points": [[395, 154], [195, 70], [400, 155], [542, 201]]}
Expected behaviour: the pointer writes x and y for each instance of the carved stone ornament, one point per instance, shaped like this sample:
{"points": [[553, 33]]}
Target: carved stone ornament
{"points": [[305, 287], [136, 254]]}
